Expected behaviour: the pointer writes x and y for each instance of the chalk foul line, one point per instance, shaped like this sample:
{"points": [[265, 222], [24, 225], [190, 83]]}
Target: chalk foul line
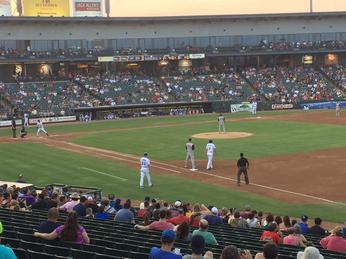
{"points": [[102, 173]]}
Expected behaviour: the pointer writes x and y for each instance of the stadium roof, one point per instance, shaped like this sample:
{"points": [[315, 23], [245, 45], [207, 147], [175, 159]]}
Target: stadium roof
{"points": [[24, 19]]}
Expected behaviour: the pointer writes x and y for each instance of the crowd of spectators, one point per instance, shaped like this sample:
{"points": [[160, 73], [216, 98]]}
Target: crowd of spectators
{"points": [[293, 84], [263, 45], [174, 220], [277, 84], [199, 86]]}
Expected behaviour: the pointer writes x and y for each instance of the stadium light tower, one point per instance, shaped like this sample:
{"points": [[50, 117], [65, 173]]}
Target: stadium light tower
{"points": [[311, 6]]}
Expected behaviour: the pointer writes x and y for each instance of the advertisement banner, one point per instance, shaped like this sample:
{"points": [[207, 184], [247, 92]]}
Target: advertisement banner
{"points": [[46, 8], [321, 105], [5, 7], [282, 106], [241, 107], [87, 8], [197, 56], [8, 123], [53, 119]]}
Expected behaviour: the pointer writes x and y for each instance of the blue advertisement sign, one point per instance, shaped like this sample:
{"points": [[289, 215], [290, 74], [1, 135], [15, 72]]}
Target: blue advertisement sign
{"points": [[322, 105]]}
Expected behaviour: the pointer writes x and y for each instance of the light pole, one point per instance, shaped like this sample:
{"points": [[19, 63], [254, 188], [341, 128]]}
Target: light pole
{"points": [[311, 6]]}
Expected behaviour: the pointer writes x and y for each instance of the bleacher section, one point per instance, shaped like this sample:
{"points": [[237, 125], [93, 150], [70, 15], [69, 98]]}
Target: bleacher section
{"points": [[209, 87], [276, 84], [110, 239]]}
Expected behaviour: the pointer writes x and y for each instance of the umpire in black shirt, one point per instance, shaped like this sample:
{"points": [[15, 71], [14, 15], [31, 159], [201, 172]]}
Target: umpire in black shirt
{"points": [[243, 166], [14, 128]]}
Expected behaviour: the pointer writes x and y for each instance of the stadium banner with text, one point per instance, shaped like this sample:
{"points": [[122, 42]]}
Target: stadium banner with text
{"points": [[322, 105], [87, 8], [282, 106], [53, 119], [5, 8], [8, 123], [46, 8], [241, 107]]}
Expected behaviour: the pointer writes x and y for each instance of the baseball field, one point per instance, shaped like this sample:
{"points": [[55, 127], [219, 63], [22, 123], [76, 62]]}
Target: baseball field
{"points": [[297, 160]]}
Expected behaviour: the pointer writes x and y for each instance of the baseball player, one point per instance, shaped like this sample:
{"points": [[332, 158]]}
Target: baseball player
{"points": [[26, 120], [337, 109], [254, 107], [145, 171], [221, 120], [211, 150], [40, 128], [190, 154]]}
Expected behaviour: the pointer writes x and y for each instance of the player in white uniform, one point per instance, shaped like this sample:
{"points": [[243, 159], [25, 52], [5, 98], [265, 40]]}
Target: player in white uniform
{"points": [[211, 150], [337, 109], [145, 171], [26, 120], [40, 128], [221, 119], [254, 107], [190, 154]]}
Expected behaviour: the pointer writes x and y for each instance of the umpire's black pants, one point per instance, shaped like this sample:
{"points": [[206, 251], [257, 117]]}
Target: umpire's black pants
{"points": [[242, 170]]}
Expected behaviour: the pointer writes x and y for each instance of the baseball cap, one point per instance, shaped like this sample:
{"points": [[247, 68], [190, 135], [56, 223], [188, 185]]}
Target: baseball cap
{"points": [[177, 204], [168, 235], [214, 210], [197, 244], [310, 253], [304, 218]]}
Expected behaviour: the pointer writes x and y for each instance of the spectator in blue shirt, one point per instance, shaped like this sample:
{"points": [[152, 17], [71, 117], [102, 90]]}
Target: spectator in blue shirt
{"points": [[303, 225], [214, 219], [101, 214], [167, 243], [80, 208], [51, 223], [6, 252]]}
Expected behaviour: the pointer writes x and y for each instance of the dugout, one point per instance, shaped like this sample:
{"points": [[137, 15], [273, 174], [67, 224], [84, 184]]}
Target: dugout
{"points": [[157, 109]]}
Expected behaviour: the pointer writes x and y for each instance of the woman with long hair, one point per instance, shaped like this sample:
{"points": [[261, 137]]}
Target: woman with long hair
{"points": [[71, 231], [183, 232]]}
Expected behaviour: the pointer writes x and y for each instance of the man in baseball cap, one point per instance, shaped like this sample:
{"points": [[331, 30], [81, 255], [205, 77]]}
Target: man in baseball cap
{"points": [[167, 241]]}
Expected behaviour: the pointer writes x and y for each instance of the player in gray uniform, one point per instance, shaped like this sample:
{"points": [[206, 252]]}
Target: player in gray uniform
{"points": [[337, 109], [221, 120], [190, 154]]}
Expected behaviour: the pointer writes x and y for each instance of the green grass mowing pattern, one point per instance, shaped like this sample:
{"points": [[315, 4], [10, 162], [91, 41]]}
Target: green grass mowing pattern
{"points": [[270, 138], [43, 165]]}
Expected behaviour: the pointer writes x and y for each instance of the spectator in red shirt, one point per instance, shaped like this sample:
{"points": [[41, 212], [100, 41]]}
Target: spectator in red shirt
{"points": [[335, 241], [143, 211], [177, 220], [272, 234], [161, 225]]}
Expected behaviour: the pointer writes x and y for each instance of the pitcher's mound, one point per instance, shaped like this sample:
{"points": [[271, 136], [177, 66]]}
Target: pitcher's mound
{"points": [[227, 135]]}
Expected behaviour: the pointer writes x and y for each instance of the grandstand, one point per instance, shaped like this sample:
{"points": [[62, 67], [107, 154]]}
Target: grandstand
{"points": [[107, 68]]}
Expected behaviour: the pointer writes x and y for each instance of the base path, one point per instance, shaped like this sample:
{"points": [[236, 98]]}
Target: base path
{"points": [[225, 135]]}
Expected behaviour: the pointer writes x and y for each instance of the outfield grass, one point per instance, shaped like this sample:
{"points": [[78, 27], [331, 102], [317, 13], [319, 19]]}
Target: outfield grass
{"points": [[44, 165]]}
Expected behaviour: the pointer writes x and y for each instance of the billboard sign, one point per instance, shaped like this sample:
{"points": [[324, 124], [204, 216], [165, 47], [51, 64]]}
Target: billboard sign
{"points": [[87, 8], [241, 107], [46, 8], [321, 105], [5, 7]]}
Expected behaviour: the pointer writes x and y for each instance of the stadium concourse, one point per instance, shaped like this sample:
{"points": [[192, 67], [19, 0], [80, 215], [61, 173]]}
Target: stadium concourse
{"points": [[280, 85], [32, 225]]}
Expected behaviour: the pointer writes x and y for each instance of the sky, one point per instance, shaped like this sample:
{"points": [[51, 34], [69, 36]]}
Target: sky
{"points": [[122, 8]]}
